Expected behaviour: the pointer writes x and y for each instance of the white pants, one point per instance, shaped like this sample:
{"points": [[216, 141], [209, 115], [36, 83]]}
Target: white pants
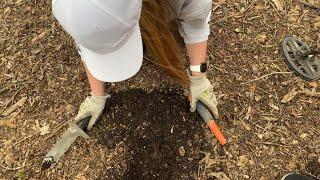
{"points": [[194, 16]]}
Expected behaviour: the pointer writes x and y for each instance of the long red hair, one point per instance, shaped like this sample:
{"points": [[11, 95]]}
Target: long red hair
{"points": [[159, 28]]}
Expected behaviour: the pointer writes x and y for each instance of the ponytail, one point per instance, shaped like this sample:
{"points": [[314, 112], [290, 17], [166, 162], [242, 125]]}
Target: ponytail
{"points": [[159, 28]]}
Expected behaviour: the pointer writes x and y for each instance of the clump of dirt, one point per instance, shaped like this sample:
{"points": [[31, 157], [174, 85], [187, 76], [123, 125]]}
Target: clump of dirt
{"points": [[163, 138]]}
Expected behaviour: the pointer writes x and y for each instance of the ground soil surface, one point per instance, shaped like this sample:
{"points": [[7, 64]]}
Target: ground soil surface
{"points": [[270, 116]]}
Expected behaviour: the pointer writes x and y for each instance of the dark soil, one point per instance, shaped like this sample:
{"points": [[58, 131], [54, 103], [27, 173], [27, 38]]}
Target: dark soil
{"points": [[153, 126]]}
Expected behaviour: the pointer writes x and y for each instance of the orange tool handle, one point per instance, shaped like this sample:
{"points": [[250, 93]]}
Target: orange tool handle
{"points": [[216, 131], [209, 120]]}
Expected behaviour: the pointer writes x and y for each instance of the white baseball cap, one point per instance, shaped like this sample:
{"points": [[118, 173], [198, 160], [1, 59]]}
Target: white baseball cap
{"points": [[107, 34]]}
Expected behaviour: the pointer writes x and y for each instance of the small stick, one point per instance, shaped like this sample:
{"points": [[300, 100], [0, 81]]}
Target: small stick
{"points": [[14, 169], [11, 169], [274, 144], [18, 104], [12, 98], [309, 4], [309, 93], [264, 76]]}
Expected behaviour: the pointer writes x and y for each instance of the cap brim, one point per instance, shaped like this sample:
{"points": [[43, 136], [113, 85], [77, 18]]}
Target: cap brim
{"points": [[118, 65]]}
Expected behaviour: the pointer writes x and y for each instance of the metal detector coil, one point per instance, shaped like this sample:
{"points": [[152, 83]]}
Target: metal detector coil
{"points": [[301, 59]]}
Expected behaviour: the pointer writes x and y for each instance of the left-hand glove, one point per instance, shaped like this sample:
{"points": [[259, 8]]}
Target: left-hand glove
{"points": [[92, 107], [202, 90]]}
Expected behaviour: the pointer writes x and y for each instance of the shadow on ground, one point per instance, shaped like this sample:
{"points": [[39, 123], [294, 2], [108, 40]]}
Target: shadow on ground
{"points": [[153, 126]]}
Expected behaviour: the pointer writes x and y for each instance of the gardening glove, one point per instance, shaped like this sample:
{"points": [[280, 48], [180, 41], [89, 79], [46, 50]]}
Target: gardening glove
{"points": [[93, 106], [202, 90]]}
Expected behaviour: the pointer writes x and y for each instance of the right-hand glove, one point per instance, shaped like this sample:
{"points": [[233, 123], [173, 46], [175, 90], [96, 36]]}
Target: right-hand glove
{"points": [[93, 106], [202, 90]]}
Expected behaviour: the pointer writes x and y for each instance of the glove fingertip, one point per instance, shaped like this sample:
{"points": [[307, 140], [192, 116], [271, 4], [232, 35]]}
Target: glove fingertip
{"points": [[78, 118], [89, 127], [216, 115], [91, 122], [192, 106], [215, 112]]}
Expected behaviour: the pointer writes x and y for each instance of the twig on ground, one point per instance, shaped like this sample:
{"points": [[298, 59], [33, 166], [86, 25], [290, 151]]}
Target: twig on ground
{"points": [[264, 76], [274, 144], [215, 8], [11, 169], [12, 108], [12, 98], [309, 4], [15, 168], [310, 93], [311, 175], [315, 131]]}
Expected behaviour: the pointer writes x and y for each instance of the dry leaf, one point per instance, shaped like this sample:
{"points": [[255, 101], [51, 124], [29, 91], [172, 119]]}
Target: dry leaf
{"points": [[222, 2], [249, 112], [262, 178], [313, 84], [246, 125], [38, 37], [273, 106], [262, 38], [304, 135], [44, 130], [69, 108], [279, 4], [80, 176], [295, 142], [316, 19], [317, 24], [219, 175], [8, 122], [258, 98], [289, 96], [260, 136], [292, 165], [294, 14], [9, 159], [182, 151], [260, 6], [18, 2], [6, 10], [243, 161], [266, 118]]}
